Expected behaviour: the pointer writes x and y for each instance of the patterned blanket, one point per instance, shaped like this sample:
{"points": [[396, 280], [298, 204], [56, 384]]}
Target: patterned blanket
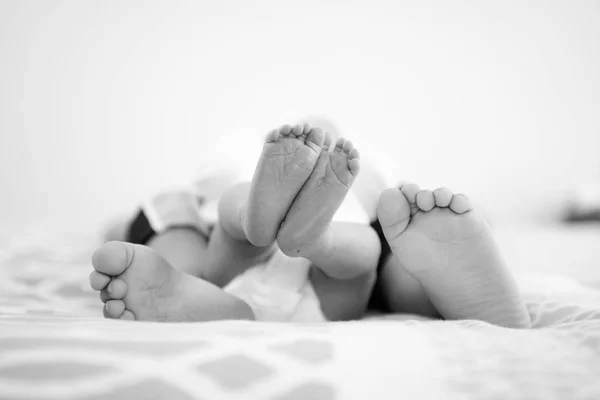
{"points": [[54, 344]]}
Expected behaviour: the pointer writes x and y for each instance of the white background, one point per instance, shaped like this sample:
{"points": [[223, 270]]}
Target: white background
{"points": [[103, 102]]}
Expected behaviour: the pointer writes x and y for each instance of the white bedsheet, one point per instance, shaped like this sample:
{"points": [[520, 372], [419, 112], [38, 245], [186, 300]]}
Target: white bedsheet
{"points": [[54, 343]]}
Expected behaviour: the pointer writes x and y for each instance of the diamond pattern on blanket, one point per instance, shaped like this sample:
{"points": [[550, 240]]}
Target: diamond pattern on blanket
{"points": [[308, 351], [52, 371], [311, 390], [54, 344], [150, 389], [236, 371], [123, 347]]}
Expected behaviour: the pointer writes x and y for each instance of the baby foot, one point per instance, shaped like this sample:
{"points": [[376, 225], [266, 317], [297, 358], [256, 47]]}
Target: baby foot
{"points": [[287, 160], [136, 283], [309, 217], [449, 249]]}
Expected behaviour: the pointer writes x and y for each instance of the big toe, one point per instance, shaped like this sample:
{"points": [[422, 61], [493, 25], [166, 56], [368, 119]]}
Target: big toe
{"points": [[316, 136], [113, 258], [393, 212]]}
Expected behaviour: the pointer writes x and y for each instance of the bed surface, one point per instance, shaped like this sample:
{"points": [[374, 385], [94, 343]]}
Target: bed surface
{"points": [[54, 343]]}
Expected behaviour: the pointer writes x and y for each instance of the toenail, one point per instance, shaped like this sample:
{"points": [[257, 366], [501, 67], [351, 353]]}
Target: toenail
{"points": [[109, 288]]}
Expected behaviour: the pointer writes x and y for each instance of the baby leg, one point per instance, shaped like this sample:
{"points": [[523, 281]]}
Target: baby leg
{"points": [[344, 271], [344, 254], [229, 251]]}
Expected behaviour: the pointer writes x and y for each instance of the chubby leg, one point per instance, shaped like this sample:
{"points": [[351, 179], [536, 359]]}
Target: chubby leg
{"points": [[136, 283], [348, 250], [183, 248], [229, 251], [401, 292], [344, 255], [344, 270], [343, 299]]}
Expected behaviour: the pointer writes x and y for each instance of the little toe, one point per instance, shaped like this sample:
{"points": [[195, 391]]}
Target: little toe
{"points": [[113, 258], [127, 316], [114, 308], [354, 166], [285, 130], [410, 192], [425, 200], [98, 281], [297, 130], [443, 197], [460, 204], [117, 289]]}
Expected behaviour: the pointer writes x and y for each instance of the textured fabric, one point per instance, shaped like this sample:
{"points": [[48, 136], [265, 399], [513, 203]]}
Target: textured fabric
{"points": [[54, 344]]}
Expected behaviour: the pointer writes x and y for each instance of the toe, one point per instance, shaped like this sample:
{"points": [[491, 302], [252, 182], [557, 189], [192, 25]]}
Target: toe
{"points": [[354, 166], [113, 258], [425, 200], [393, 212], [306, 128], [104, 296], [327, 142], [297, 130], [98, 281], [410, 192], [443, 196], [117, 289], [127, 316], [272, 136], [460, 204], [285, 130], [316, 138], [339, 144], [114, 308], [353, 153], [347, 146]]}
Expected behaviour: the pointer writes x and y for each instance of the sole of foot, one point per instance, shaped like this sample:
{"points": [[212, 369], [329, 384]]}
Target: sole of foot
{"points": [[308, 219], [448, 247], [136, 283], [286, 162]]}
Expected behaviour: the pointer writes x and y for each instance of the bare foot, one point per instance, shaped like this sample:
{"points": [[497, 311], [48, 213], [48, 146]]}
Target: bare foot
{"points": [[307, 222], [287, 160], [136, 283], [449, 249]]}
